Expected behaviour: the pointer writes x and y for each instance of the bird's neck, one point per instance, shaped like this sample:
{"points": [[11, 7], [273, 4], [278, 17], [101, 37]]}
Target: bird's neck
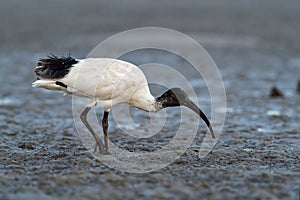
{"points": [[147, 103]]}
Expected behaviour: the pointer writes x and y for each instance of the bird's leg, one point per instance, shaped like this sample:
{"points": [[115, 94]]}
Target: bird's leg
{"points": [[105, 127], [99, 143]]}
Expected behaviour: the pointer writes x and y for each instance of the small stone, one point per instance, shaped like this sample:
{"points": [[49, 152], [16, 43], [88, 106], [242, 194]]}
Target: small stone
{"points": [[298, 86], [28, 146], [275, 92], [180, 162], [86, 161]]}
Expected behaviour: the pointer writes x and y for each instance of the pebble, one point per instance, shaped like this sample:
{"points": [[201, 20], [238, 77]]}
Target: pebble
{"points": [[275, 92]]}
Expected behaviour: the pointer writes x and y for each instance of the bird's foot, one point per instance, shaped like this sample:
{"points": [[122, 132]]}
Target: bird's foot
{"points": [[102, 150], [99, 145], [106, 152]]}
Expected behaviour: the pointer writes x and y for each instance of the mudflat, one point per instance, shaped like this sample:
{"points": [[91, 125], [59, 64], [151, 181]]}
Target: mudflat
{"points": [[255, 46]]}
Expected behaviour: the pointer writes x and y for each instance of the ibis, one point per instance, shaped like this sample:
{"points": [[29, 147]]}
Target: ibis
{"points": [[107, 82]]}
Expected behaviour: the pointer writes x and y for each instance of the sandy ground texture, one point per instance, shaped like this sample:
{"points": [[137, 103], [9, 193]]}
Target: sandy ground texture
{"points": [[256, 47]]}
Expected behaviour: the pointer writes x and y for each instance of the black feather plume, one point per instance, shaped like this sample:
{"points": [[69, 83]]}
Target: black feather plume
{"points": [[54, 67]]}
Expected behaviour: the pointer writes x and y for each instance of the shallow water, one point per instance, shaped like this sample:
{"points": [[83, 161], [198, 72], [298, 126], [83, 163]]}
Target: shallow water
{"points": [[257, 154]]}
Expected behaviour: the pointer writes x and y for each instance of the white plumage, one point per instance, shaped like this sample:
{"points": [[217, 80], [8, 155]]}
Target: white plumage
{"points": [[106, 82]]}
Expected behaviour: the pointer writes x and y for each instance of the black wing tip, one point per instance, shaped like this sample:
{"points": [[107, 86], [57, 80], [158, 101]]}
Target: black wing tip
{"points": [[53, 67], [52, 58]]}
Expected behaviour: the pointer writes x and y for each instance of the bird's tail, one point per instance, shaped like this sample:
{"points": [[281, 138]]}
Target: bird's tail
{"points": [[47, 84], [54, 67]]}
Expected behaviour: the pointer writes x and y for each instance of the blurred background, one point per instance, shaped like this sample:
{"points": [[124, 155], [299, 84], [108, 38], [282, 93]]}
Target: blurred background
{"points": [[254, 43]]}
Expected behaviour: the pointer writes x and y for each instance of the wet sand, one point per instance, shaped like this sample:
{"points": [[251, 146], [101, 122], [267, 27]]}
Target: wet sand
{"points": [[256, 47]]}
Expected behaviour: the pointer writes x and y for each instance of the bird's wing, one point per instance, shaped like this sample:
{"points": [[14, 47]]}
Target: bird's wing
{"points": [[104, 79]]}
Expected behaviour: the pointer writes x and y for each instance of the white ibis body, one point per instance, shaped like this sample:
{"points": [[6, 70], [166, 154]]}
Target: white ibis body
{"points": [[107, 82]]}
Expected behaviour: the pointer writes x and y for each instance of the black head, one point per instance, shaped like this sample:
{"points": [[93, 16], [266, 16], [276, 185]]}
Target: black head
{"points": [[178, 97], [172, 97]]}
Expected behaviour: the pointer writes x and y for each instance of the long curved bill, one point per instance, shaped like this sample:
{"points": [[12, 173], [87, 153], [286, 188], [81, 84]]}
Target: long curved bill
{"points": [[191, 105]]}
